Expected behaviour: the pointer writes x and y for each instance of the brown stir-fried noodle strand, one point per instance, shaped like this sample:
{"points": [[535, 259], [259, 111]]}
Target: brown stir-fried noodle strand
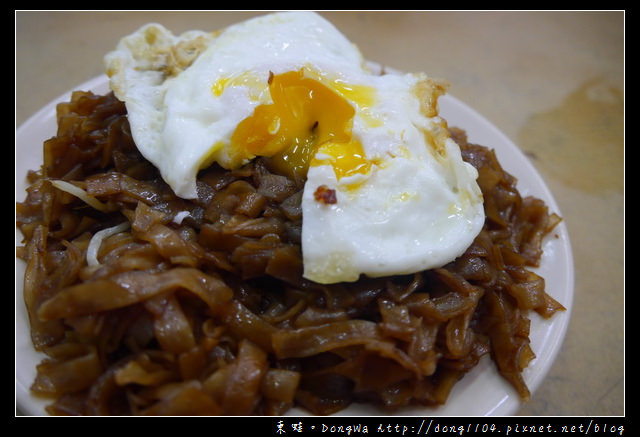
{"points": [[148, 304]]}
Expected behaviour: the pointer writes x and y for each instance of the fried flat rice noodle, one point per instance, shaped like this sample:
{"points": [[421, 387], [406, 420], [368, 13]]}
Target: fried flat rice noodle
{"points": [[199, 307]]}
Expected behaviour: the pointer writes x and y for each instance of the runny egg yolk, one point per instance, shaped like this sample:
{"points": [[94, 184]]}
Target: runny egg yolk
{"points": [[306, 118]]}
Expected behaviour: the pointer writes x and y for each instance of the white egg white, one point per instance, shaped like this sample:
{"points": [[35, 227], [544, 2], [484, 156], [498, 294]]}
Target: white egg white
{"points": [[417, 206]]}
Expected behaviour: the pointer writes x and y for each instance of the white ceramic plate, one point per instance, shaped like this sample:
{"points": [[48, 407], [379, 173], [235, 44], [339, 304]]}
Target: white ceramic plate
{"points": [[481, 392]]}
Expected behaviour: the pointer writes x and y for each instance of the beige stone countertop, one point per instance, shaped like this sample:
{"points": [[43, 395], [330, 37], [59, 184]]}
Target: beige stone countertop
{"points": [[553, 82]]}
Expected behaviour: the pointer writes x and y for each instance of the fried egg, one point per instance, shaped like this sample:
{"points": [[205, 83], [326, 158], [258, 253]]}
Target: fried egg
{"points": [[386, 191]]}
